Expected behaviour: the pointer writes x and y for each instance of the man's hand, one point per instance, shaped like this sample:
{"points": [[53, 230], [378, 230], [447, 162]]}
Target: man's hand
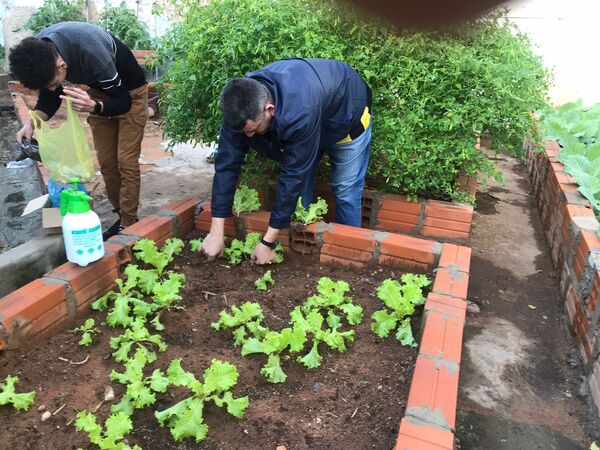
{"points": [[212, 246], [80, 99], [262, 255], [25, 132]]}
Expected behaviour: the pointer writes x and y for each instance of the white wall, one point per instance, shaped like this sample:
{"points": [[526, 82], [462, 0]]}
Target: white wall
{"points": [[566, 34]]}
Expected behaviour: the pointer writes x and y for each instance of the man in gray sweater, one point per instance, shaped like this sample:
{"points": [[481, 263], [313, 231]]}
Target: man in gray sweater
{"points": [[82, 53]]}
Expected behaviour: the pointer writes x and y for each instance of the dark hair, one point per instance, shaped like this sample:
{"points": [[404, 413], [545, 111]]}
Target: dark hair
{"points": [[243, 99], [33, 62]]}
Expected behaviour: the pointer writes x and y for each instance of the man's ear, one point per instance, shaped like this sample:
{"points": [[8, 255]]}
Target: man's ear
{"points": [[270, 107]]}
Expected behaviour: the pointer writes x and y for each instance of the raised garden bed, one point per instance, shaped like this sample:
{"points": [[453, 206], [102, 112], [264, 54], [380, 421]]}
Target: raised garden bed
{"points": [[54, 301], [363, 391], [571, 230]]}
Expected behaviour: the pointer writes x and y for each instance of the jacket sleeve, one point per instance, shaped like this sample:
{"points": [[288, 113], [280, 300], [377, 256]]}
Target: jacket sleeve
{"points": [[49, 101], [228, 163], [296, 160]]}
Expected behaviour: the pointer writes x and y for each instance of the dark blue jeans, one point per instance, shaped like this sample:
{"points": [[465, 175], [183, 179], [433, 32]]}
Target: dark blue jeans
{"points": [[349, 162]]}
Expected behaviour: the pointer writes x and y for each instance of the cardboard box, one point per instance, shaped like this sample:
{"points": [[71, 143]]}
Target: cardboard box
{"points": [[51, 218]]}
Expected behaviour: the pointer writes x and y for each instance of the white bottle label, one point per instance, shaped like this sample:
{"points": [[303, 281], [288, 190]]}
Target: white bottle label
{"points": [[87, 240]]}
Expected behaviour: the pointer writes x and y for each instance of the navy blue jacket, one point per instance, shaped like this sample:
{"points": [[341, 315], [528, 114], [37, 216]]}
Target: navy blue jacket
{"points": [[317, 101]]}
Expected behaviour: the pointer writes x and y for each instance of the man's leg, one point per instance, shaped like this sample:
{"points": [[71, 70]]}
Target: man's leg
{"points": [[349, 164], [105, 132], [131, 133]]}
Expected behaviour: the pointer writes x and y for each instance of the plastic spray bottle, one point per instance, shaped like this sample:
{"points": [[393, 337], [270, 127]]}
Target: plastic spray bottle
{"points": [[82, 231]]}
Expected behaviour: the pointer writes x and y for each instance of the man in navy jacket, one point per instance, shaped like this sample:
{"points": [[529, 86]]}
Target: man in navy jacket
{"points": [[293, 111]]}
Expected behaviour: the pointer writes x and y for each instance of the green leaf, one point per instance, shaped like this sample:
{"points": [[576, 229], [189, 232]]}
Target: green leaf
{"points": [[384, 323], [245, 200], [251, 346], [261, 283], [219, 377], [195, 244], [404, 334], [312, 360], [272, 370], [315, 212], [8, 394], [235, 406], [185, 419]]}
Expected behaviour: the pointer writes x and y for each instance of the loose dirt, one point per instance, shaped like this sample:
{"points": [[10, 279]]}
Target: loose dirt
{"points": [[353, 401]]}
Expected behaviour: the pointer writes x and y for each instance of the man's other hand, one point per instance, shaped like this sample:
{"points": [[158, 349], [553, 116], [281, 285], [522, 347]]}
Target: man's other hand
{"points": [[80, 99], [212, 247], [262, 255], [25, 132]]}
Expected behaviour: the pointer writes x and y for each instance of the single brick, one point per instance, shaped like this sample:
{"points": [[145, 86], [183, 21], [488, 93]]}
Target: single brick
{"points": [[406, 264], [442, 337], [446, 305], [396, 227], [434, 387], [408, 247], [79, 277], [551, 145], [152, 227], [334, 260], [350, 237], [397, 216], [257, 221], [444, 224], [451, 282], [456, 256], [399, 203], [449, 211], [444, 233], [346, 253], [423, 437]]}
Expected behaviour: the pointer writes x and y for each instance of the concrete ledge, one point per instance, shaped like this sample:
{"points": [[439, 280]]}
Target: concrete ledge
{"points": [[30, 260]]}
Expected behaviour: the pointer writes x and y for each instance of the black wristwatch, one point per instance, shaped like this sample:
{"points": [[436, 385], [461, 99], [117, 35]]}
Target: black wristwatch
{"points": [[97, 107], [271, 245]]}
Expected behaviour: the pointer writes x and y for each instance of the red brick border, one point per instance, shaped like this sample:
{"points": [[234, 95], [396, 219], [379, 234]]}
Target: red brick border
{"points": [[52, 302], [571, 230], [448, 221]]}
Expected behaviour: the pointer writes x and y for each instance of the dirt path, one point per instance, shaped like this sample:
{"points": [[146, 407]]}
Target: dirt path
{"points": [[519, 386]]}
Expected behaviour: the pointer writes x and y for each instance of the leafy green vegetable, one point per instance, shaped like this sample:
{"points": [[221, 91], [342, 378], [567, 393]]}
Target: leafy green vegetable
{"points": [[577, 130], [261, 283], [8, 395], [145, 250], [117, 427], [315, 212], [137, 334], [235, 252], [88, 329], [245, 200], [195, 244], [140, 389], [185, 418], [400, 299], [238, 250]]}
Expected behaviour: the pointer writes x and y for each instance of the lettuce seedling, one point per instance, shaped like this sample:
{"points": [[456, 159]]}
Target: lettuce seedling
{"points": [[145, 250], [245, 200], [8, 395], [88, 329], [195, 244], [315, 212], [140, 391], [185, 418], [137, 335], [400, 300], [262, 282], [117, 427]]}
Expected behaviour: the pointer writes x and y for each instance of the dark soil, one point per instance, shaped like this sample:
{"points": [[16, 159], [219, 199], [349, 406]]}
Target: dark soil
{"points": [[353, 401]]}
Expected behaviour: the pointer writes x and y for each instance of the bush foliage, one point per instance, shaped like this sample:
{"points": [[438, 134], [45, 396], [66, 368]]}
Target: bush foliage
{"points": [[433, 93], [124, 24], [54, 11]]}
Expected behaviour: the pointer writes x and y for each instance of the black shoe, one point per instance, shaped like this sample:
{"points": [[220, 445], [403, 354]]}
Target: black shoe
{"points": [[114, 229]]}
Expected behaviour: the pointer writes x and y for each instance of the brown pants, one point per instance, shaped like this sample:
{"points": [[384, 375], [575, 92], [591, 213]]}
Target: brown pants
{"points": [[118, 142]]}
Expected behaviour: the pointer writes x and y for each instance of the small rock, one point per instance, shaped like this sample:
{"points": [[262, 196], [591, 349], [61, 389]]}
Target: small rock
{"points": [[46, 416], [316, 387], [194, 329], [41, 408], [472, 307], [582, 389], [109, 394]]}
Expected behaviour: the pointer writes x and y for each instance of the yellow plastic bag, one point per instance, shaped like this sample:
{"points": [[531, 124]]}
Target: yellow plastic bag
{"points": [[64, 150]]}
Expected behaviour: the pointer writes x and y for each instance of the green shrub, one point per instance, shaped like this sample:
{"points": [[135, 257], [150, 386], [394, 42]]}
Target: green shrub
{"points": [[124, 24], [2, 52], [433, 93], [54, 11]]}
